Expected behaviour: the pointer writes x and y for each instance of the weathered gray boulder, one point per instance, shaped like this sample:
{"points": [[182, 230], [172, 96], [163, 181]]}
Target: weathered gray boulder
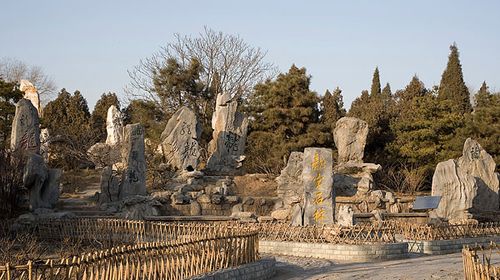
{"points": [[110, 185], [297, 215], [353, 178], [289, 182], [25, 136], [138, 207], [317, 177], [114, 126], [281, 214], [41, 182], [134, 173], [179, 140], [467, 186], [227, 146], [350, 139], [476, 162], [102, 154]]}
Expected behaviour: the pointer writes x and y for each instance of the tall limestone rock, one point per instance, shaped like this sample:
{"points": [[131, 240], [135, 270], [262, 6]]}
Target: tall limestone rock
{"points": [[467, 186], [31, 93], [229, 136], [114, 126], [350, 139], [179, 141], [134, 161], [25, 134], [290, 187], [317, 177]]}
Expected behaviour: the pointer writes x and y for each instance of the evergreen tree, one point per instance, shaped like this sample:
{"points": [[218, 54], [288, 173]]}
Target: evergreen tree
{"points": [[386, 91], [483, 124], [285, 118], [9, 96], [68, 120], [332, 108], [452, 86], [375, 89], [149, 115], [100, 112]]}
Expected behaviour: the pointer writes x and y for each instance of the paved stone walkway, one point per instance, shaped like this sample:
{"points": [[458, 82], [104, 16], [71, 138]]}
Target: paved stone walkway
{"points": [[415, 267]]}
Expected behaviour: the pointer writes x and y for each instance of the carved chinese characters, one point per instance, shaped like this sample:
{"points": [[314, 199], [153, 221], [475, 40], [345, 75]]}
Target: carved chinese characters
{"points": [[179, 143], [26, 128], [134, 175], [230, 131], [317, 178]]}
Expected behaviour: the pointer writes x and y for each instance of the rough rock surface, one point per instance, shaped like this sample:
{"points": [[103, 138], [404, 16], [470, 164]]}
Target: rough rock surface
{"points": [[137, 207], [350, 139], [354, 178], [227, 147], [41, 182], [114, 126], [290, 180], [25, 134], [281, 214], [468, 185], [31, 93], [297, 215], [317, 176], [345, 216], [44, 143], [134, 161], [102, 154], [179, 140]]}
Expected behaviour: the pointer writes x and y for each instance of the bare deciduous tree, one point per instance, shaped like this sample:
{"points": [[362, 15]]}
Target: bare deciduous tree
{"points": [[13, 70], [237, 66]]}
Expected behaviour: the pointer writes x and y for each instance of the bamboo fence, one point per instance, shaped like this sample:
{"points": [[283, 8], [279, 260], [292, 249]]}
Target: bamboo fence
{"points": [[478, 263], [447, 232], [156, 260]]}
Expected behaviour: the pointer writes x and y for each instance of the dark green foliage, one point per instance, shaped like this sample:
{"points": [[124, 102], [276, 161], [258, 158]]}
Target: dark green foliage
{"points": [[100, 112], [9, 95], [452, 86], [149, 115], [68, 120], [376, 88], [483, 124], [284, 118], [332, 108], [377, 110]]}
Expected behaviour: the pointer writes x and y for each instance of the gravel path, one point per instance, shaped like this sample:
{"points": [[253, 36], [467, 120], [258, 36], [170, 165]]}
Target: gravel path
{"points": [[421, 267]]}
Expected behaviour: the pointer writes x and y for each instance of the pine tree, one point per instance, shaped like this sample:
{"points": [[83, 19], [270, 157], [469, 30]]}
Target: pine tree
{"points": [[9, 96], [68, 120], [483, 124], [100, 112], [375, 89], [285, 118], [149, 115], [332, 108], [452, 87], [386, 91]]}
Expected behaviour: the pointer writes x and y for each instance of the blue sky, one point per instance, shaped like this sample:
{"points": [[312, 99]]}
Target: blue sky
{"points": [[89, 45]]}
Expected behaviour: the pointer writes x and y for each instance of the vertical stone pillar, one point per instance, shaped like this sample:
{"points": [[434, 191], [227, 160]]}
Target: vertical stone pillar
{"points": [[317, 177], [134, 176]]}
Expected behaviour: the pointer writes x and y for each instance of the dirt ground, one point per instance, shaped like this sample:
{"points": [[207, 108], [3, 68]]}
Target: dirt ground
{"points": [[416, 267]]}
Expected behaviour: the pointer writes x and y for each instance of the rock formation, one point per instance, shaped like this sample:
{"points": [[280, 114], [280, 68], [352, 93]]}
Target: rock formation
{"points": [[229, 136], [31, 93], [350, 139], [467, 186], [25, 134], [179, 140], [127, 177], [109, 153], [114, 126], [345, 216], [290, 187], [41, 182], [317, 177], [44, 144]]}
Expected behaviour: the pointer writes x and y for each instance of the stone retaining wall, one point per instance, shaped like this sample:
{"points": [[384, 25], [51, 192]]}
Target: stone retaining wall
{"points": [[341, 252], [259, 270], [441, 247]]}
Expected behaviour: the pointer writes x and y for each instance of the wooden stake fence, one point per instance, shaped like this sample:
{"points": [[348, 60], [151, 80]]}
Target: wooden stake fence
{"points": [[158, 260], [478, 265]]}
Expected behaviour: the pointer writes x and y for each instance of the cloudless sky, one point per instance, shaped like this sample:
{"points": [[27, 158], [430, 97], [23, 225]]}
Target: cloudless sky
{"points": [[89, 45]]}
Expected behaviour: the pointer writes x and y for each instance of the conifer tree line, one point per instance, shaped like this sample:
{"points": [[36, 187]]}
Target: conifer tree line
{"points": [[410, 129]]}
